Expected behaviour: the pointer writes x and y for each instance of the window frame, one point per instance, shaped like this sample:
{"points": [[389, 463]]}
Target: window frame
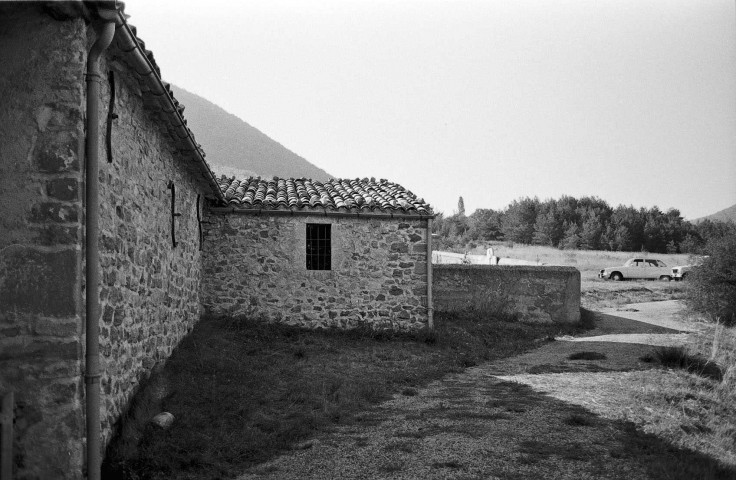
{"points": [[318, 246]]}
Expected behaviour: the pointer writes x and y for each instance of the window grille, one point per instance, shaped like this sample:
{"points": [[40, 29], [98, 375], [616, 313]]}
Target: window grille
{"points": [[319, 246]]}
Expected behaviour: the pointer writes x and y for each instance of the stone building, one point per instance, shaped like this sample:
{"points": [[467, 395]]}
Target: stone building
{"points": [[172, 240], [338, 254], [149, 168]]}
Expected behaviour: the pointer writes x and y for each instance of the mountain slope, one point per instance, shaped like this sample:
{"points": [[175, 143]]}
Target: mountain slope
{"points": [[234, 147], [725, 215]]}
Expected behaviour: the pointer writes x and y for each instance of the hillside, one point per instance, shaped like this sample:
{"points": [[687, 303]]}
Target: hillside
{"points": [[725, 215], [234, 147]]}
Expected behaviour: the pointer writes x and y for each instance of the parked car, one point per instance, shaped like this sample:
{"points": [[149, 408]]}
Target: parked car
{"points": [[638, 268], [681, 272]]}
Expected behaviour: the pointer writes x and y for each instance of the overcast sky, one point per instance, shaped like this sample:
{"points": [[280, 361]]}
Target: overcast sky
{"points": [[633, 101]]}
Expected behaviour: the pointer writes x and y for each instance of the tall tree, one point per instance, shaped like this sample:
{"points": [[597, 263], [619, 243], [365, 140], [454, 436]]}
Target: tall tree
{"points": [[461, 207], [547, 229], [571, 240], [485, 225], [590, 234], [519, 220], [622, 239]]}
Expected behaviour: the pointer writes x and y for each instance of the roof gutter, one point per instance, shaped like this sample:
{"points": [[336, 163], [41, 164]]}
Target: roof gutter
{"points": [[128, 44], [105, 33]]}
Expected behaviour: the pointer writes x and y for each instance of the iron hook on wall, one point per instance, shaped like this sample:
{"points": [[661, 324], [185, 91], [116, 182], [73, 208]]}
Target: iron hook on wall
{"points": [[111, 115], [174, 214]]}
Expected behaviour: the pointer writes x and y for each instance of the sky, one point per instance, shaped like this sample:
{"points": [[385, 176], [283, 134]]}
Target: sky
{"points": [[632, 101]]}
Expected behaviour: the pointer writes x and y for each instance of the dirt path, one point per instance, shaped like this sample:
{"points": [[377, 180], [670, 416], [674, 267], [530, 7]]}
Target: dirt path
{"points": [[496, 421]]}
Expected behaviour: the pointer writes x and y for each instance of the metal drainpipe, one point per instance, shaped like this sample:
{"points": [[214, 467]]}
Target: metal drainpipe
{"points": [[92, 254], [430, 306]]}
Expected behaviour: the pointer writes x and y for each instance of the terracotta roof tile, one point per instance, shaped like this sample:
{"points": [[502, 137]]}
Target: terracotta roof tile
{"points": [[338, 195]]}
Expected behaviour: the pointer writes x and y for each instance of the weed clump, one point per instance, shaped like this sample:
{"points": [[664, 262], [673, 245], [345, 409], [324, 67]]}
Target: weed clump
{"points": [[587, 319], [678, 357]]}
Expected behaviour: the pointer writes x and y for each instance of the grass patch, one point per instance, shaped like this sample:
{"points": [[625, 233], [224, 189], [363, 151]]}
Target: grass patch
{"points": [[590, 260], [406, 446], [679, 357], [556, 368], [665, 463], [447, 464], [242, 391], [568, 451], [647, 358], [392, 466], [586, 356], [410, 392], [579, 420]]}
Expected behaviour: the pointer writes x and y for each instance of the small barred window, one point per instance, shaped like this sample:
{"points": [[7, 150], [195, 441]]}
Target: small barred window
{"points": [[319, 246]]}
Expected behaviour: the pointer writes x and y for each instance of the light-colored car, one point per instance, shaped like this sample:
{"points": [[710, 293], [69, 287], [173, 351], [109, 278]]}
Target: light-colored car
{"points": [[681, 272], [638, 268]]}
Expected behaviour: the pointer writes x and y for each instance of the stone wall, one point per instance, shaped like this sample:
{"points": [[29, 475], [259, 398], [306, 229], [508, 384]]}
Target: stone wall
{"points": [[536, 294], [256, 265], [149, 291], [41, 151]]}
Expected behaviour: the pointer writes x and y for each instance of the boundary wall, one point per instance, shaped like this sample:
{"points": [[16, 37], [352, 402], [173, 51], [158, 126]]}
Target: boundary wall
{"points": [[534, 293]]}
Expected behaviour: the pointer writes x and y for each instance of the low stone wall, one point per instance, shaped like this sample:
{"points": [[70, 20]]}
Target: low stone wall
{"points": [[537, 294]]}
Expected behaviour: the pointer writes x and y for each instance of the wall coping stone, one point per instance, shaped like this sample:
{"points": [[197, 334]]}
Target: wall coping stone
{"points": [[518, 268]]}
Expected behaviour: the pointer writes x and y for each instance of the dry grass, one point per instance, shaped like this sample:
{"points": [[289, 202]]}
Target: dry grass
{"points": [[700, 395], [243, 391], [583, 260], [687, 399], [599, 294], [718, 345]]}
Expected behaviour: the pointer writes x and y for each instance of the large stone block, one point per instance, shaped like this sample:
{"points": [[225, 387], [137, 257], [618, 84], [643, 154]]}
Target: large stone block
{"points": [[66, 189], [53, 234], [45, 212], [57, 152], [39, 282]]}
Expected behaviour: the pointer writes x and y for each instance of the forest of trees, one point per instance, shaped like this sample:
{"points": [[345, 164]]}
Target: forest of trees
{"points": [[587, 223]]}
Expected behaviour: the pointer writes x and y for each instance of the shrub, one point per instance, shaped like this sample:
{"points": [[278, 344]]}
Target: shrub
{"points": [[713, 284]]}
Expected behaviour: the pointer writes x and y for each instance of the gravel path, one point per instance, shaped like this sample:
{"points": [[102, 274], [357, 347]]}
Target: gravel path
{"points": [[486, 423]]}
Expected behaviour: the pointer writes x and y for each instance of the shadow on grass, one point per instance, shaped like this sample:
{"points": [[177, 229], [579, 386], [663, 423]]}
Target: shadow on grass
{"points": [[243, 391], [608, 449]]}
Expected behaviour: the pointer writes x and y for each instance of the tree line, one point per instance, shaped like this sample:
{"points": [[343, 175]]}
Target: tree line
{"points": [[587, 223]]}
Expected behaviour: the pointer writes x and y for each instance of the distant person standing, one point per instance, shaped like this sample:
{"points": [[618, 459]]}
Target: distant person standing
{"points": [[491, 259]]}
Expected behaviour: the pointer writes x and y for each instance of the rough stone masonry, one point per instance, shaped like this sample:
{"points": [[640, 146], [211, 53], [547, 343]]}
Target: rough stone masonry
{"points": [[150, 290], [256, 264]]}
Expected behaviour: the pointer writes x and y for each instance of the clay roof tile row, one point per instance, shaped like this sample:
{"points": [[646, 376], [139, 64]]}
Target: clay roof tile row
{"points": [[347, 195]]}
